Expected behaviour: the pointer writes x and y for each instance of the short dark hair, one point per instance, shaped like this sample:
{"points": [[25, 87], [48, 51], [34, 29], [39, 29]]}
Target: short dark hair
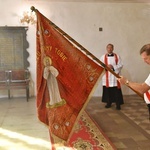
{"points": [[145, 48], [111, 45]]}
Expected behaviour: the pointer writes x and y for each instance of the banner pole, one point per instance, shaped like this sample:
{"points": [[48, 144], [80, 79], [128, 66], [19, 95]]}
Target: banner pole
{"points": [[85, 50]]}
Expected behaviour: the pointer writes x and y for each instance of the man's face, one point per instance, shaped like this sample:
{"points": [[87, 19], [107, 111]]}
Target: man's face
{"points": [[109, 49], [146, 57]]}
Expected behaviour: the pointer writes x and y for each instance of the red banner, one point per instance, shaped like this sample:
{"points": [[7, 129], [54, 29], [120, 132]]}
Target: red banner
{"points": [[65, 79]]}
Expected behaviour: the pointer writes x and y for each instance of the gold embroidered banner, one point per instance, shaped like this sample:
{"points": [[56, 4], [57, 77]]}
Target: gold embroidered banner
{"points": [[66, 78]]}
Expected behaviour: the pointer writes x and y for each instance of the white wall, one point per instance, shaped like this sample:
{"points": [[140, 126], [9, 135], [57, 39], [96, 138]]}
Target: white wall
{"points": [[126, 25]]}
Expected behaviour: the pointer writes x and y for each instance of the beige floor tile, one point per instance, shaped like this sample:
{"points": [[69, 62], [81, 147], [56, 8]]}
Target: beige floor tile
{"points": [[19, 127]]}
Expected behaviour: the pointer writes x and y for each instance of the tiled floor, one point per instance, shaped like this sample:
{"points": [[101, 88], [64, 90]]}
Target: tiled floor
{"points": [[19, 126], [128, 129]]}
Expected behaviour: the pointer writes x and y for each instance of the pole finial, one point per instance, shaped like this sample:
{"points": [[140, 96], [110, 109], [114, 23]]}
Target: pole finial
{"points": [[33, 8]]}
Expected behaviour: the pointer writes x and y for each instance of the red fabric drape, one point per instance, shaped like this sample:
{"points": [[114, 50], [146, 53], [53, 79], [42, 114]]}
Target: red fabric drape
{"points": [[77, 76]]}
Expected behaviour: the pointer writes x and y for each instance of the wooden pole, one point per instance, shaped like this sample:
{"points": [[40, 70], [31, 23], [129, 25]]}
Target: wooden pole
{"points": [[85, 50]]}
